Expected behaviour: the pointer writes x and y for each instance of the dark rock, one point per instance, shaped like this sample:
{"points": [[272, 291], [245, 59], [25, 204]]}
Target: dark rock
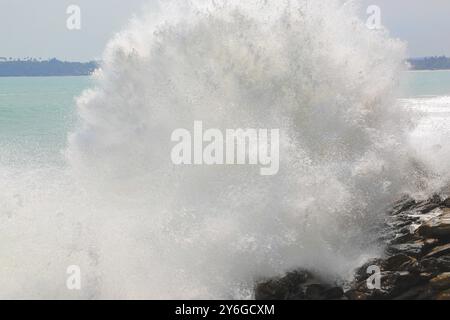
{"points": [[334, 293], [271, 290], [436, 265], [418, 292], [446, 202], [402, 262], [438, 227], [361, 273], [315, 291], [428, 207], [441, 282], [404, 237], [393, 284], [403, 205], [445, 295], [288, 287], [357, 295], [417, 265], [439, 251], [414, 249]]}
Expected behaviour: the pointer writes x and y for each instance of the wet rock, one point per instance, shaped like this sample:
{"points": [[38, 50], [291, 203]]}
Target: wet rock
{"points": [[446, 202], [297, 285], [416, 265], [439, 251], [427, 207], [412, 249], [438, 227], [357, 295], [418, 292], [402, 262], [271, 290], [404, 237], [314, 291], [288, 287], [436, 265], [441, 282], [445, 295], [334, 293], [362, 274], [403, 205], [393, 284]]}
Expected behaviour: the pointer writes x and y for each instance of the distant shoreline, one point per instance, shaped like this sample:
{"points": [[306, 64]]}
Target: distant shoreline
{"points": [[429, 63], [46, 68], [57, 68], [427, 70]]}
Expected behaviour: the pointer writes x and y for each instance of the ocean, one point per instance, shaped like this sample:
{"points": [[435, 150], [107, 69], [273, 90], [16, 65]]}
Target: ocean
{"points": [[37, 113], [35, 116]]}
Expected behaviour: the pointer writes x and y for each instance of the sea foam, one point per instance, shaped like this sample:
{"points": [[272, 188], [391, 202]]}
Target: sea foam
{"points": [[141, 227]]}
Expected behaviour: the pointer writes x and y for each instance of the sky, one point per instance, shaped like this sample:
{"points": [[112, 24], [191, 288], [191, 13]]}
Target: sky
{"points": [[30, 28]]}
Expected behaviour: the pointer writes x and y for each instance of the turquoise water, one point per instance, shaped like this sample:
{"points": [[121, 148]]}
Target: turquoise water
{"points": [[36, 114], [425, 83]]}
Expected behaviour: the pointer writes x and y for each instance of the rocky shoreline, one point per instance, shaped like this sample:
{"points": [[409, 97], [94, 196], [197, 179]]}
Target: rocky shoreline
{"points": [[416, 264]]}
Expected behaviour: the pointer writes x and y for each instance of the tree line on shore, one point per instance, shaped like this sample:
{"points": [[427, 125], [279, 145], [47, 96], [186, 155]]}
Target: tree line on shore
{"points": [[30, 67]]}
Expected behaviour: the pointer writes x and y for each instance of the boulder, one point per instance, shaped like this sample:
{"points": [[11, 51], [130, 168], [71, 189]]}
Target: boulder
{"points": [[402, 262], [403, 205], [287, 287], [438, 227], [446, 202], [414, 249], [444, 295], [436, 265], [393, 284], [441, 282], [418, 292], [439, 251]]}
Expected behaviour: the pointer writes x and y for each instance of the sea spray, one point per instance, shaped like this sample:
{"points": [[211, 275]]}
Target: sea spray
{"points": [[141, 227]]}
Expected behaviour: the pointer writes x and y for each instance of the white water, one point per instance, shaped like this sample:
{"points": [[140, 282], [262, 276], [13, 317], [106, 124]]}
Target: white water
{"points": [[140, 227]]}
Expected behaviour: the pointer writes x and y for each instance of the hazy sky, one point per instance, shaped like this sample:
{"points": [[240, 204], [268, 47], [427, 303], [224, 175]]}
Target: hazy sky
{"points": [[37, 28]]}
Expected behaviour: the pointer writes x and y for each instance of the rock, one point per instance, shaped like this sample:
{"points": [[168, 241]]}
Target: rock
{"points": [[439, 251], [427, 207], [271, 290], [446, 202], [393, 284], [315, 291], [403, 205], [445, 295], [357, 295], [404, 237], [361, 273], [436, 265], [414, 249], [288, 287], [417, 266], [402, 262], [438, 227], [334, 293], [441, 282], [419, 292]]}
